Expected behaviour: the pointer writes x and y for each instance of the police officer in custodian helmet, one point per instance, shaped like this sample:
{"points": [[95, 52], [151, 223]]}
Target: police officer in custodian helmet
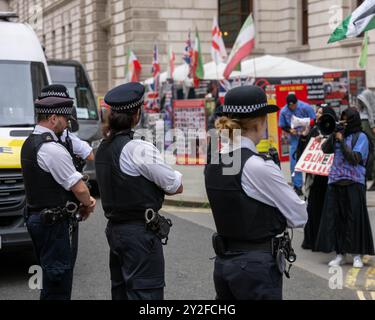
{"points": [[54, 193], [133, 180], [251, 206]]}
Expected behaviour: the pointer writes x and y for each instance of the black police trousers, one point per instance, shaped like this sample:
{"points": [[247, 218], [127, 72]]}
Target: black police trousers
{"points": [[136, 262], [53, 251], [251, 275]]}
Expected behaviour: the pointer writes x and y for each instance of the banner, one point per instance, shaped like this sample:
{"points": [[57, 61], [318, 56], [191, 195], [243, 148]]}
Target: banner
{"points": [[336, 89], [313, 160], [189, 116]]}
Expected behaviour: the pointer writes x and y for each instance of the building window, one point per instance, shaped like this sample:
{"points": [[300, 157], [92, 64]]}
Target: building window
{"points": [[63, 43], [53, 45], [232, 15], [69, 42], [305, 22]]}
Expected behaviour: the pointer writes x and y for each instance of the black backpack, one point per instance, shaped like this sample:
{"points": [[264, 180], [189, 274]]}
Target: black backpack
{"points": [[370, 159]]}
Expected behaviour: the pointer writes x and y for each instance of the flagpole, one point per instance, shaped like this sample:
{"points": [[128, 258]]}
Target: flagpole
{"points": [[255, 70]]}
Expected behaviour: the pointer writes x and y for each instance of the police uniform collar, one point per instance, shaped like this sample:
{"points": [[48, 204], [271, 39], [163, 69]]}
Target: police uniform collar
{"points": [[41, 129], [244, 143]]}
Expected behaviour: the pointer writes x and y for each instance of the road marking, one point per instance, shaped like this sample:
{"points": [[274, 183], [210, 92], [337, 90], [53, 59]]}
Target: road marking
{"points": [[366, 259], [351, 278], [370, 279], [361, 295]]}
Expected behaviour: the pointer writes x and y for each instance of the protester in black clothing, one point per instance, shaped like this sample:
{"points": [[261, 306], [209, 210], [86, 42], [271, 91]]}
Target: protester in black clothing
{"points": [[345, 226], [315, 185]]}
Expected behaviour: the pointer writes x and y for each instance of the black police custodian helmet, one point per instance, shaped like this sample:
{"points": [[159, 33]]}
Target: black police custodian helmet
{"points": [[126, 98], [246, 102]]}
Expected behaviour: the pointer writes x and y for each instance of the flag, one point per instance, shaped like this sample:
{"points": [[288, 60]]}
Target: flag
{"points": [[133, 68], [188, 53], [155, 62], [172, 59], [362, 19], [155, 70], [198, 68], [363, 57], [242, 47], [218, 51]]}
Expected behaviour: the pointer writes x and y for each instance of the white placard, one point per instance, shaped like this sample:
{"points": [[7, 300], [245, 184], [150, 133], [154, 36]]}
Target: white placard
{"points": [[313, 160]]}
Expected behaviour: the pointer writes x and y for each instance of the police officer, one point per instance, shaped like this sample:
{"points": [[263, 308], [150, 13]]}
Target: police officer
{"points": [[52, 185], [132, 179], [251, 205]]}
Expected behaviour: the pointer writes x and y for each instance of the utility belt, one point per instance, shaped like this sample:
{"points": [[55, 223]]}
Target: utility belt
{"points": [[51, 216], [158, 224], [280, 247]]}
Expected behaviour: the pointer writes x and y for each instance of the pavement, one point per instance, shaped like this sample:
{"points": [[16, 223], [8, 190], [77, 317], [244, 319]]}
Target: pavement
{"points": [[188, 262], [189, 254], [361, 281]]}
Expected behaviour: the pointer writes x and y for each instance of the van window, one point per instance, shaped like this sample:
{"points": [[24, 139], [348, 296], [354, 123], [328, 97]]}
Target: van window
{"points": [[39, 78], [75, 79], [20, 84]]}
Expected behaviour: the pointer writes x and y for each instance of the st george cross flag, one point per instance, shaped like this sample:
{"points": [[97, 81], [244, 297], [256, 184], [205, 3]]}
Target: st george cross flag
{"points": [[362, 19], [218, 51], [242, 47]]}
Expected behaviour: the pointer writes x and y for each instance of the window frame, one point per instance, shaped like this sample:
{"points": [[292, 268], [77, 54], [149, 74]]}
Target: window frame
{"points": [[251, 4]]}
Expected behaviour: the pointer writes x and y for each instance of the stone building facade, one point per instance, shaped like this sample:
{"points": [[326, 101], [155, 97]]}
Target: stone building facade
{"points": [[99, 32]]}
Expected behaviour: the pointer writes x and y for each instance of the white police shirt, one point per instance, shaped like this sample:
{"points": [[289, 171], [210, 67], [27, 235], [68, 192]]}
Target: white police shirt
{"points": [[80, 148], [142, 158], [264, 181], [54, 158]]}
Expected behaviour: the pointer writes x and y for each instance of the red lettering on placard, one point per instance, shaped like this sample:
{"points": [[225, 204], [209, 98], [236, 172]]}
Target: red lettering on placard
{"points": [[308, 157], [313, 145]]}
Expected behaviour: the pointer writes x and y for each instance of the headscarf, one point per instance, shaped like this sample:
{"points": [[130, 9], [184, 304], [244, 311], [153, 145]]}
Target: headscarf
{"points": [[353, 121]]}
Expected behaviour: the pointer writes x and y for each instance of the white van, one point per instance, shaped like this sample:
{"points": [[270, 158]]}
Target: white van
{"points": [[23, 73]]}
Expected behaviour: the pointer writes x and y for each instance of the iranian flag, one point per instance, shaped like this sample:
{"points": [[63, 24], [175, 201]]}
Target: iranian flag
{"points": [[362, 19], [198, 68], [133, 68], [242, 47]]}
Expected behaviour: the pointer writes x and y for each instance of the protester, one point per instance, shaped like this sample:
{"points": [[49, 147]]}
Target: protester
{"points": [[345, 226], [315, 185], [297, 108], [366, 104]]}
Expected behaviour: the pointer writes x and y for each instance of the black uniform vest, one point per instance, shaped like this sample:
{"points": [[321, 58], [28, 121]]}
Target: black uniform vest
{"points": [[238, 216], [124, 197], [42, 190]]}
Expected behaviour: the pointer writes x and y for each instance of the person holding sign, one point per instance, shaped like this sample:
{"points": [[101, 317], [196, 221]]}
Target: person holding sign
{"points": [[345, 226], [299, 109], [315, 185]]}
